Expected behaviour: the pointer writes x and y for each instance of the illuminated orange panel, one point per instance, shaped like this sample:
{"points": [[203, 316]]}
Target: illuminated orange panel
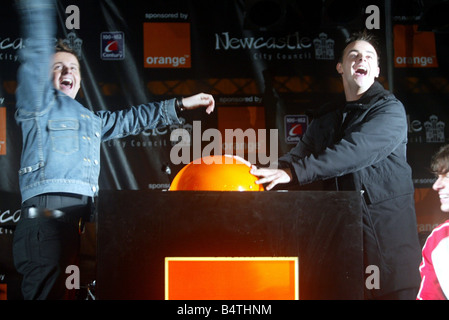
{"points": [[231, 278], [3, 291]]}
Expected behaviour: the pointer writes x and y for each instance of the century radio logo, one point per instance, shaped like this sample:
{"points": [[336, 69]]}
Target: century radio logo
{"points": [[295, 126], [166, 45], [112, 45]]}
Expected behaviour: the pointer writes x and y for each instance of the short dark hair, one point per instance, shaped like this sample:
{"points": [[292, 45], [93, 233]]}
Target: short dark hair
{"points": [[440, 161], [62, 47], [362, 36]]}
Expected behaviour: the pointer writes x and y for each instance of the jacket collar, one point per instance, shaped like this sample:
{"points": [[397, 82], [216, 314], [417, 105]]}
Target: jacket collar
{"points": [[371, 96]]}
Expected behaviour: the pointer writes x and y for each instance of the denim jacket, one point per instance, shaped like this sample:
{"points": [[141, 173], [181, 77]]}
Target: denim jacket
{"points": [[61, 138]]}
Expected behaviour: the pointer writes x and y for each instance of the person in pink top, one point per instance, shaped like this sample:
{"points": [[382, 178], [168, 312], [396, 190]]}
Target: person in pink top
{"points": [[434, 267]]}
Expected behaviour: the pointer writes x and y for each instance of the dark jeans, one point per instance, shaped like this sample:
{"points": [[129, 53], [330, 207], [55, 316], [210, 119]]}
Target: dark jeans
{"points": [[44, 246]]}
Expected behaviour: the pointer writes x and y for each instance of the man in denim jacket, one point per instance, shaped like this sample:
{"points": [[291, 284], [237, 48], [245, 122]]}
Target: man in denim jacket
{"points": [[60, 161]]}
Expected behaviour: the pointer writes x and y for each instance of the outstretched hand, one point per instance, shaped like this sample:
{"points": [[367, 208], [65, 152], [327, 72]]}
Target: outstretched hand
{"points": [[271, 176], [199, 100]]}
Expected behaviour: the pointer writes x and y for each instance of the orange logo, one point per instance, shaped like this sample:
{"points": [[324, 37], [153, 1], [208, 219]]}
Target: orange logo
{"points": [[166, 45], [413, 48], [2, 131]]}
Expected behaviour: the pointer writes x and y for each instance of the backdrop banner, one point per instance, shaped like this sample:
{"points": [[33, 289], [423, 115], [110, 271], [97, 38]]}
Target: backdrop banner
{"points": [[268, 64]]}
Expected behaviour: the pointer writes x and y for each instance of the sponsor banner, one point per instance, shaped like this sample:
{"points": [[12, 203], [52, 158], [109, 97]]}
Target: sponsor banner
{"points": [[429, 131], [242, 118], [166, 45], [2, 131], [112, 45], [428, 212], [9, 217], [9, 47], [295, 126], [261, 79], [413, 48], [293, 47], [3, 291]]}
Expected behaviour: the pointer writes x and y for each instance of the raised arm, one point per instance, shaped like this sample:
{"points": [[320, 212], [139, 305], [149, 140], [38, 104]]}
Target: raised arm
{"points": [[37, 21]]}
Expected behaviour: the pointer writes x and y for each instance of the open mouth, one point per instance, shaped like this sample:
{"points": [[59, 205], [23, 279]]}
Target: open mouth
{"points": [[361, 71], [444, 197], [66, 84]]}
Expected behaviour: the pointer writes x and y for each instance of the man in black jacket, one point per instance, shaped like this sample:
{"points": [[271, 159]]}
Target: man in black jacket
{"points": [[360, 144]]}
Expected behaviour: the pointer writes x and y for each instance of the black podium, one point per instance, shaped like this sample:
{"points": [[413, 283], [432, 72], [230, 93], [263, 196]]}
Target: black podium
{"points": [[136, 230]]}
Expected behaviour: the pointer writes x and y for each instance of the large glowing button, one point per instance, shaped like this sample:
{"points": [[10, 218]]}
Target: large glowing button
{"points": [[216, 173]]}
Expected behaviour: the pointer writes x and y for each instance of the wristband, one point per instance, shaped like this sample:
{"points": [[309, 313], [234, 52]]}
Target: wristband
{"points": [[179, 105]]}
